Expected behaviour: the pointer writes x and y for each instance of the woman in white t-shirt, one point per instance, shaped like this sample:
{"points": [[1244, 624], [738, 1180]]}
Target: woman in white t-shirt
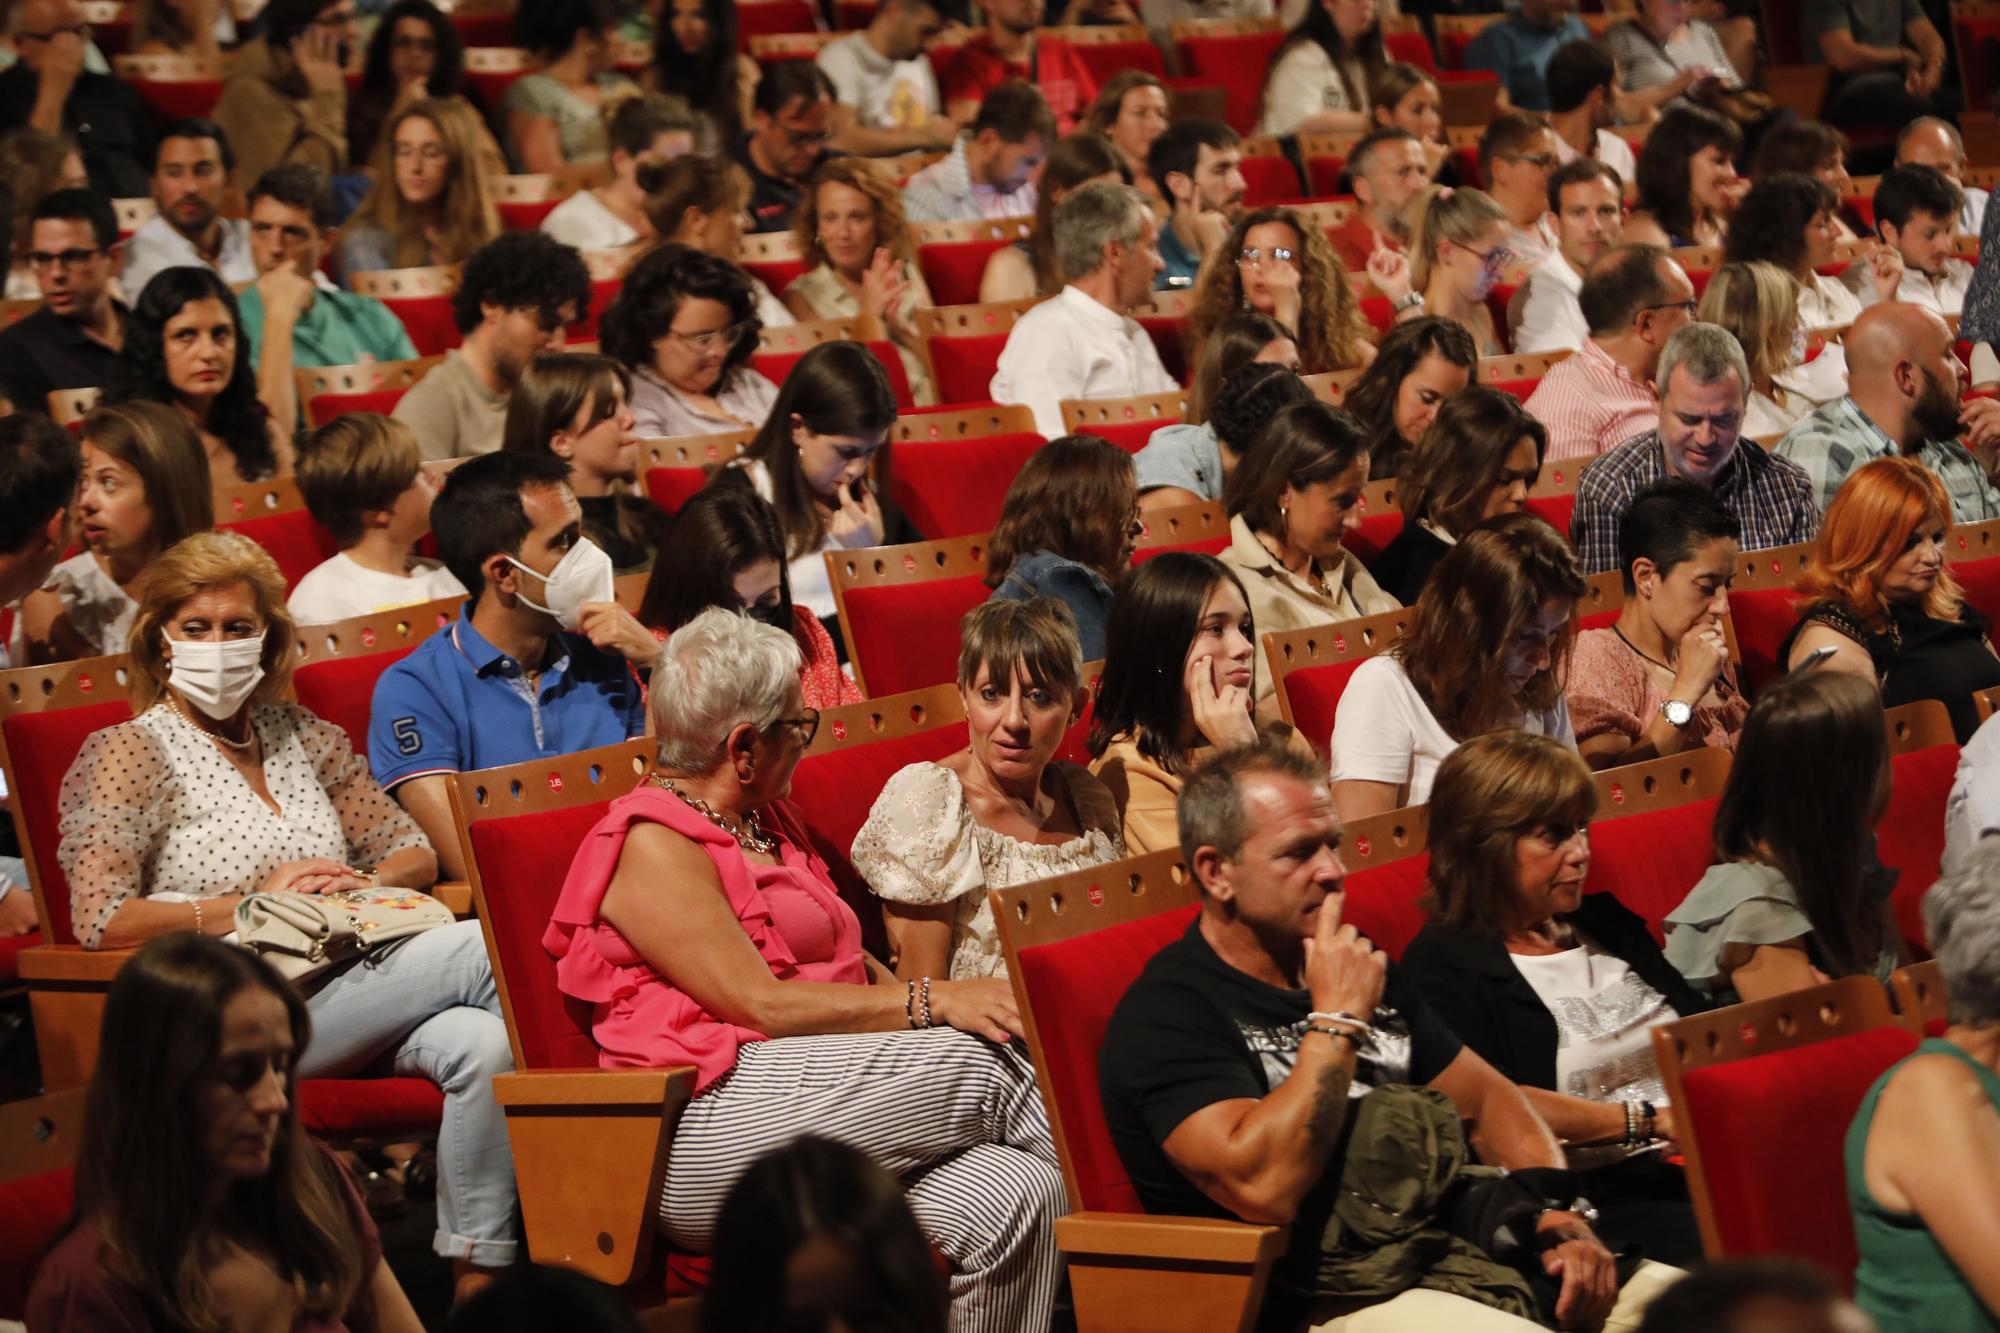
{"points": [[1485, 650], [644, 130], [1318, 80], [363, 480]]}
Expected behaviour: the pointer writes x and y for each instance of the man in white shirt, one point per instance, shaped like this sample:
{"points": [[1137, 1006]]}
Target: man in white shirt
{"points": [[889, 100], [1916, 213], [992, 167], [1546, 314], [1930, 142], [1516, 155], [190, 168], [1582, 83], [1084, 343]]}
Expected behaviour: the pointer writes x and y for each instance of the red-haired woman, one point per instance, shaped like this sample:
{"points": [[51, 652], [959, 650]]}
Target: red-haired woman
{"points": [[1878, 594]]}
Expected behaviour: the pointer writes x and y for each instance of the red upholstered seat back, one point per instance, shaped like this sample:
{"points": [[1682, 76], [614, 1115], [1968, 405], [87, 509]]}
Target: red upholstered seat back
{"points": [[952, 269], [1979, 580], [1382, 902], [1771, 1130], [342, 690], [179, 99], [1410, 48], [1206, 546], [1555, 510], [1167, 335], [324, 407], [775, 366], [1131, 436], [771, 16], [836, 790], [1269, 180], [777, 274], [428, 319], [906, 634], [1324, 172], [1910, 837], [527, 215], [953, 488], [672, 487], [1374, 535], [1763, 617], [42, 747], [523, 860], [32, 1210], [1238, 64], [295, 540], [1978, 46], [963, 367], [1315, 693], [1104, 59], [1649, 861], [1073, 986]]}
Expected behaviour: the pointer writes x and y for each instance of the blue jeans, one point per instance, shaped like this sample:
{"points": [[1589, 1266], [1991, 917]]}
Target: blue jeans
{"points": [[431, 1002]]}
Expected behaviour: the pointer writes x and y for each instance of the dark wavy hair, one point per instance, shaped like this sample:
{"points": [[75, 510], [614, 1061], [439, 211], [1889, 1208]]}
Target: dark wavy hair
{"points": [[1770, 224], [237, 416], [368, 107], [551, 27], [1074, 497], [1662, 172], [1446, 478], [1304, 443], [706, 78], [720, 532], [654, 288], [1318, 26], [1371, 399], [1154, 614]]}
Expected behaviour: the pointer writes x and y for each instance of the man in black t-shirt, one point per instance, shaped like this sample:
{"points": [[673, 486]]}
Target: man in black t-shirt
{"points": [[1230, 1066], [793, 118], [73, 340]]}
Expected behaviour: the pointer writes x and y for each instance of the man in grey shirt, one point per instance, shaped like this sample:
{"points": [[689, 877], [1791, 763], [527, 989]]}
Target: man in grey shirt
{"points": [[1888, 64]]}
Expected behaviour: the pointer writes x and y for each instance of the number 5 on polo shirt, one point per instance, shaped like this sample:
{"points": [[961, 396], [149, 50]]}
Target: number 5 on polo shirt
{"points": [[408, 739]]}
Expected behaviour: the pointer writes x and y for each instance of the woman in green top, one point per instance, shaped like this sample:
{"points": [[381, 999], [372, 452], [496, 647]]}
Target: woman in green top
{"points": [[1796, 897], [1925, 1219]]}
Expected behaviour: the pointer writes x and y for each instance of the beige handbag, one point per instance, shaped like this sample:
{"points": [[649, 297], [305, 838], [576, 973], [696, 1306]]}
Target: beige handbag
{"points": [[304, 934]]}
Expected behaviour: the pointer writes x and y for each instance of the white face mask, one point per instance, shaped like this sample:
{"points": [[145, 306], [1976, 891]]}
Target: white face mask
{"points": [[582, 576], [216, 677]]}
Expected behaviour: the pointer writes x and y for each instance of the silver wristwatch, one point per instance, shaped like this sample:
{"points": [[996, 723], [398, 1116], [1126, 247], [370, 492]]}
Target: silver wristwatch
{"points": [[1677, 711], [1406, 301]]}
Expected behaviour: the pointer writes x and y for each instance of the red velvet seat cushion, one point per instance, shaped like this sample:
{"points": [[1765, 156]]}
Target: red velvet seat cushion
{"points": [[1649, 861], [906, 634], [1131, 436], [1073, 986], [324, 407], [1771, 1130], [672, 487], [964, 367], [428, 319], [1555, 510], [526, 215], [179, 99], [1910, 837], [1382, 903], [1169, 337], [1315, 693], [341, 690], [953, 269], [1206, 546], [771, 17], [1374, 535], [42, 747], [953, 488], [1979, 580], [1269, 180], [32, 1210], [1238, 64], [1763, 617], [387, 1110], [1411, 48], [1104, 59], [295, 540]]}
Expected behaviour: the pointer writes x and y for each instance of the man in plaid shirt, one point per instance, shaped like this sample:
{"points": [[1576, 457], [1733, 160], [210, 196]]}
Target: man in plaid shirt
{"points": [[1703, 378]]}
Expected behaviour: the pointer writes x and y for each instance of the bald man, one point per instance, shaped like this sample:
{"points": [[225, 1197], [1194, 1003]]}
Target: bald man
{"points": [[1903, 383], [1930, 142]]}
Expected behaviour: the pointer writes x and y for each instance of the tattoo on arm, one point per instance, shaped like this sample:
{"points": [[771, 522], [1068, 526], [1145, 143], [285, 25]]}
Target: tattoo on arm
{"points": [[1329, 1108]]}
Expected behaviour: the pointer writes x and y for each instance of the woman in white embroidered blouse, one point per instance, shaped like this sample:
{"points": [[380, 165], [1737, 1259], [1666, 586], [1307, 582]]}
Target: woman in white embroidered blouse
{"points": [[1000, 812], [218, 788]]}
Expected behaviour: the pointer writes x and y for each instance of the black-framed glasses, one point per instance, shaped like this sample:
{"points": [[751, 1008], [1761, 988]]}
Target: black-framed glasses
{"points": [[807, 725], [1687, 307], [75, 257], [340, 20]]}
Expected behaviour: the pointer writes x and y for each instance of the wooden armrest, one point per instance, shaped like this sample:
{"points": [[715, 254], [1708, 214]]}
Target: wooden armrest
{"points": [[455, 894], [590, 1155], [71, 963], [1209, 1239]]}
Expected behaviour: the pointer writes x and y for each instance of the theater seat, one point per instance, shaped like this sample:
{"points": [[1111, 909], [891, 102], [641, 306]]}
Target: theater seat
{"points": [[776, 366], [40, 747], [419, 297], [340, 661], [1232, 56], [904, 636], [754, 18], [1269, 179], [964, 344], [1311, 667], [1910, 836], [1107, 50], [1763, 608], [379, 1110], [1979, 580], [33, 1211], [954, 488], [1381, 521], [1651, 841], [294, 539], [953, 269], [1386, 868]]}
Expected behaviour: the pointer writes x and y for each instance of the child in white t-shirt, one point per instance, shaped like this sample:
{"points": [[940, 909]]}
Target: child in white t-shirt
{"points": [[363, 480]]}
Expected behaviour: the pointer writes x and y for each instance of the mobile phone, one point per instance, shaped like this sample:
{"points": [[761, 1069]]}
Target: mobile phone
{"points": [[1814, 658]]}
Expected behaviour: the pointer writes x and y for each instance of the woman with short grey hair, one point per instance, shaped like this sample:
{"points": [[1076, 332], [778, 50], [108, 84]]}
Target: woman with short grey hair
{"points": [[701, 929], [1923, 1154]]}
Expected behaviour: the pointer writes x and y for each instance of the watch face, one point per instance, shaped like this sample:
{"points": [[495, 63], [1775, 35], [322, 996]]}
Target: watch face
{"points": [[1678, 712]]}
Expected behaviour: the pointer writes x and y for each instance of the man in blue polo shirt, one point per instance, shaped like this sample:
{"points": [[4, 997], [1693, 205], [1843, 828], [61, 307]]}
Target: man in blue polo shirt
{"points": [[540, 662]]}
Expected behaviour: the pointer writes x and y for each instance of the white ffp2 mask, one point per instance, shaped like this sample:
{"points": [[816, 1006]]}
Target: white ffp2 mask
{"points": [[216, 677], [582, 576]]}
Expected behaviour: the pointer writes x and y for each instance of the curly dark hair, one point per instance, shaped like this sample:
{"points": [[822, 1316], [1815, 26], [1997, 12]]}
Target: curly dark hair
{"points": [[1662, 170], [1770, 224], [708, 77], [521, 270], [369, 105], [551, 27], [236, 416], [652, 294]]}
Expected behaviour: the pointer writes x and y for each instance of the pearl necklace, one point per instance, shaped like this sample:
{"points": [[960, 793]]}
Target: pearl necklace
{"points": [[751, 837], [239, 746]]}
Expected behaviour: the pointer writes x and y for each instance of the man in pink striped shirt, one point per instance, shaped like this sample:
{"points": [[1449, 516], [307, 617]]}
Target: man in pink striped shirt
{"points": [[1634, 298]]}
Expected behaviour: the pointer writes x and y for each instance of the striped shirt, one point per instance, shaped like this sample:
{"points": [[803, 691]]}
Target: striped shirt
{"points": [[1839, 437], [945, 192], [1771, 498], [1591, 404]]}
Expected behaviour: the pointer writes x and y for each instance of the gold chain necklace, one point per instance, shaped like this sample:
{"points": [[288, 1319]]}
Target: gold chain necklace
{"points": [[751, 837], [239, 746]]}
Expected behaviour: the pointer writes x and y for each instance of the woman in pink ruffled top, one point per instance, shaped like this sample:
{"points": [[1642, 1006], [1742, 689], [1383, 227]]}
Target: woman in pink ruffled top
{"points": [[702, 930]]}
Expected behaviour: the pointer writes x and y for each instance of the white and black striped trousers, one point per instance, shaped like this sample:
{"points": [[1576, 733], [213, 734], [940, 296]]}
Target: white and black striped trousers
{"points": [[956, 1118]]}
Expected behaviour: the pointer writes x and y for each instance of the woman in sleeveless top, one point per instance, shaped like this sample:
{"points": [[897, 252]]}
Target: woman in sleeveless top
{"points": [[1925, 1218]]}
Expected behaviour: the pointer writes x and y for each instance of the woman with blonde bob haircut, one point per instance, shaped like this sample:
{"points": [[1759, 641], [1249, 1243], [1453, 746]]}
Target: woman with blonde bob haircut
{"points": [[1486, 649], [219, 788], [1556, 988], [145, 486], [573, 405], [433, 201], [1274, 263], [1878, 593], [851, 219], [1758, 303]]}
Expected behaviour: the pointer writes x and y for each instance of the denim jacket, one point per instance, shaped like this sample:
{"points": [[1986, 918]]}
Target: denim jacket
{"points": [[1077, 586]]}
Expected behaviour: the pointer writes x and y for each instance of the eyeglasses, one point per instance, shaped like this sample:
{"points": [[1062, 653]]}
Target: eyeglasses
{"points": [[1251, 257], [708, 342], [1546, 161], [73, 258], [1498, 257], [1685, 307], [80, 31], [806, 724]]}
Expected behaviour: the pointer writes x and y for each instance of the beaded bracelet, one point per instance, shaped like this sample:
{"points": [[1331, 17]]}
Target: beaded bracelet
{"points": [[910, 1003], [1331, 1031], [924, 1001], [1360, 1025], [197, 918]]}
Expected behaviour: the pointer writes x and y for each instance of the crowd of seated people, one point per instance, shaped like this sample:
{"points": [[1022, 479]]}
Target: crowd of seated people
{"points": [[1638, 321]]}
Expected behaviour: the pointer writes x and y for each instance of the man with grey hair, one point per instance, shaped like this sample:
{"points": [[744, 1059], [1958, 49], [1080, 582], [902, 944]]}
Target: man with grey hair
{"points": [[1270, 1063], [1084, 343], [1931, 141], [1703, 383]]}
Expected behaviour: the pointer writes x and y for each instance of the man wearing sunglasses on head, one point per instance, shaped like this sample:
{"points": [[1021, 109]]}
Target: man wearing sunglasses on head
{"points": [[286, 97], [61, 86], [518, 293]]}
